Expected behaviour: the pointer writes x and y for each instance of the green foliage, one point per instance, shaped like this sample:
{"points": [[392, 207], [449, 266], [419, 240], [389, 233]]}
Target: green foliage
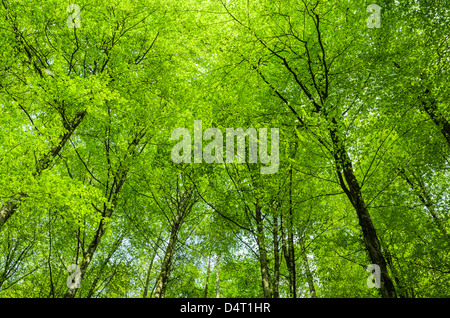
{"points": [[85, 147]]}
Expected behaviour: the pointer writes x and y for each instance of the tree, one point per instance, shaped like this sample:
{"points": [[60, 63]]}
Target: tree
{"points": [[93, 204]]}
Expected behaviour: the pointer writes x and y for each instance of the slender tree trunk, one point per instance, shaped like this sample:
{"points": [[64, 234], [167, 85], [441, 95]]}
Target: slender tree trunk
{"points": [[163, 277], [309, 276], [276, 255], [184, 203], [217, 275], [207, 276], [52, 288], [291, 252], [288, 261], [288, 245], [265, 275], [147, 279], [352, 189]]}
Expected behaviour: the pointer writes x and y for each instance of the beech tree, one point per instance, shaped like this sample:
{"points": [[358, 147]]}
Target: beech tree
{"points": [[93, 204]]}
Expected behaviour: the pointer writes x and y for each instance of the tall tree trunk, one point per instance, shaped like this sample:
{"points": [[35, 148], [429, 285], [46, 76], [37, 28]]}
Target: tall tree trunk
{"points": [[288, 244], [207, 276], [352, 189], [163, 277], [309, 276], [265, 275], [184, 203], [289, 263], [276, 255], [217, 275], [343, 164], [147, 278]]}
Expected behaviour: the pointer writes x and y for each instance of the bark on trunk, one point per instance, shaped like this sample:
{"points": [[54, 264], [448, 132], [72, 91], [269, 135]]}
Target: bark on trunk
{"points": [[289, 263], [352, 189], [163, 277], [183, 203], [265, 275]]}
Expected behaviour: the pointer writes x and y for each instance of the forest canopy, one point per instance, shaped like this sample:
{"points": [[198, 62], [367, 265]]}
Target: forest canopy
{"points": [[224, 148]]}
